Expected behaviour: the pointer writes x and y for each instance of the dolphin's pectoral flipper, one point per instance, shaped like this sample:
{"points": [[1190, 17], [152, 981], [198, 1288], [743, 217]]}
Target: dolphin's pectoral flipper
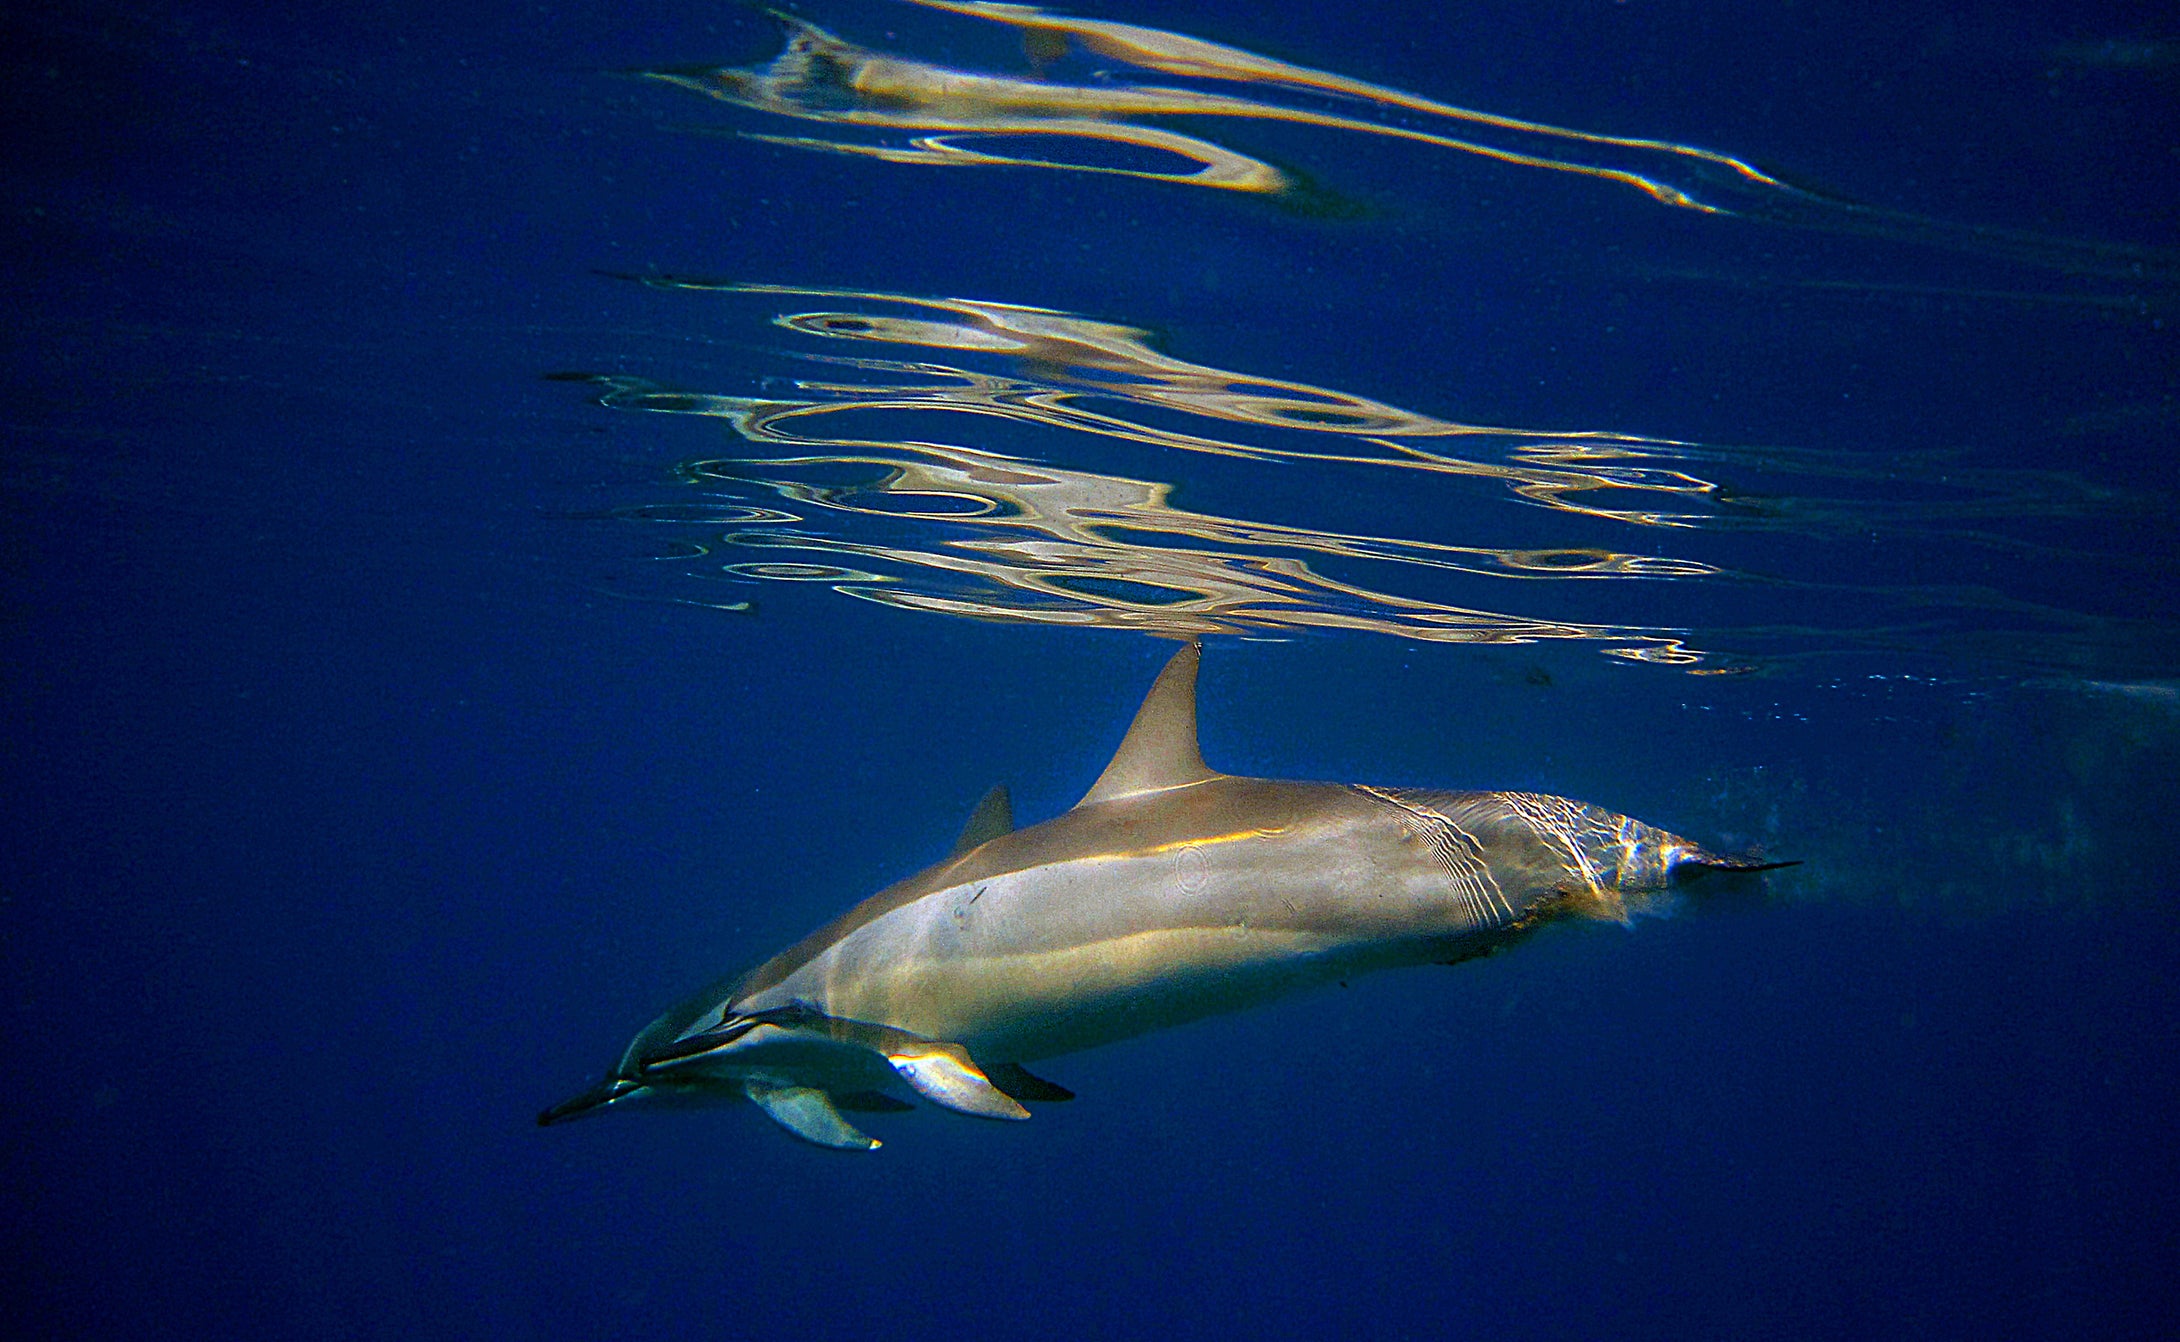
{"points": [[808, 1113], [941, 1072], [944, 1075], [1022, 1084]]}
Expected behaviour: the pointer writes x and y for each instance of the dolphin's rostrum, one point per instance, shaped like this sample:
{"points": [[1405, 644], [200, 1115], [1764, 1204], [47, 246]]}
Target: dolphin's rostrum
{"points": [[1168, 893]]}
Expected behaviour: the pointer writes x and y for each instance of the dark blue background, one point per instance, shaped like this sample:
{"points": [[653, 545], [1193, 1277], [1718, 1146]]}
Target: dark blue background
{"points": [[348, 823]]}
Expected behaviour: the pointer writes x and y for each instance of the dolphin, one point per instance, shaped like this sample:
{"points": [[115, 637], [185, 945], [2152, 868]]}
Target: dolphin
{"points": [[1168, 893]]}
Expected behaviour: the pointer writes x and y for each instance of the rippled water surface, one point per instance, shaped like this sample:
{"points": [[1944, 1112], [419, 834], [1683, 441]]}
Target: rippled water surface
{"points": [[512, 513]]}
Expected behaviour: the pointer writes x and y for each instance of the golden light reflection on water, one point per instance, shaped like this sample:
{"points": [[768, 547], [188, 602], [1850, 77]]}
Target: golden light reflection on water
{"points": [[949, 527], [1008, 462], [822, 77], [969, 118], [1074, 371]]}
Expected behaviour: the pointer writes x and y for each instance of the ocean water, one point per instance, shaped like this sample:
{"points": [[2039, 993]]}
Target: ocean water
{"points": [[513, 512]]}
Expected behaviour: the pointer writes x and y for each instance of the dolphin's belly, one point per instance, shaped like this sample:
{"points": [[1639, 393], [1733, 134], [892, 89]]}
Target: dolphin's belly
{"points": [[1068, 955]]}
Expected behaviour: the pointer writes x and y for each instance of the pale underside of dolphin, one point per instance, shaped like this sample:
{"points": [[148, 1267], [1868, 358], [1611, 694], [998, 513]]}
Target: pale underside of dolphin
{"points": [[1168, 893]]}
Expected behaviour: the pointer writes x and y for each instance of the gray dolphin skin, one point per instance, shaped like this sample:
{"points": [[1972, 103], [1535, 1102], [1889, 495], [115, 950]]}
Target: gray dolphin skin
{"points": [[1168, 893]]}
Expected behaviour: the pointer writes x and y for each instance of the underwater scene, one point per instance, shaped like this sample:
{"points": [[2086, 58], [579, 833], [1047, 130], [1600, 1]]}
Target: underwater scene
{"points": [[954, 668]]}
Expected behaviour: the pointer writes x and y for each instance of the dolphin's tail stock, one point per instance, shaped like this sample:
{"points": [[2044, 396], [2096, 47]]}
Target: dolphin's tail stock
{"points": [[1746, 864], [1712, 880]]}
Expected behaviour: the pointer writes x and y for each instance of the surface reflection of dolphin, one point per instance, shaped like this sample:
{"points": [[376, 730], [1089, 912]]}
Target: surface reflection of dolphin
{"points": [[948, 529], [986, 460], [822, 77], [1169, 893], [971, 118]]}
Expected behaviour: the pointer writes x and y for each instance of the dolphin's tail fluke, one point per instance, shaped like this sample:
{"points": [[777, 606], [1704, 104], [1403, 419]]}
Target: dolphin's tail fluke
{"points": [[1712, 879], [1711, 862]]}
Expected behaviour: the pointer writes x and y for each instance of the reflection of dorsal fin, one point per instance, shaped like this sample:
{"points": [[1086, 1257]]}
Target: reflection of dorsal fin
{"points": [[1159, 751], [992, 817]]}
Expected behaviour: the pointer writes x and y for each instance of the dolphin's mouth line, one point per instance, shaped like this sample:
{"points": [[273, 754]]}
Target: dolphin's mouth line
{"points": [[698, 1047], [707, 1043], [596, 1098]]}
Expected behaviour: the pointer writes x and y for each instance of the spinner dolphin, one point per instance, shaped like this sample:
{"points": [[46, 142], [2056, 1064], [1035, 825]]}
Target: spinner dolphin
{"points": [[1168, 893]]}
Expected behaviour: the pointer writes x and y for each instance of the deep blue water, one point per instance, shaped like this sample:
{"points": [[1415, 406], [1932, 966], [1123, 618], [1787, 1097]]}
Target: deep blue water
{"points": [[388, 736]]}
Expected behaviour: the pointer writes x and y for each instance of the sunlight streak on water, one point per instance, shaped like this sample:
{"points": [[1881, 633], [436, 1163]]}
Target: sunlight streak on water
{"points": [[821, 77], [971, 118], [978, 531], [1019, 463]]}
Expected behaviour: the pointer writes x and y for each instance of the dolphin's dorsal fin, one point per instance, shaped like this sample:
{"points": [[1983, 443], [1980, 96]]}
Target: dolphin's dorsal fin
{"points": [[1159, 751], [992, 817]]}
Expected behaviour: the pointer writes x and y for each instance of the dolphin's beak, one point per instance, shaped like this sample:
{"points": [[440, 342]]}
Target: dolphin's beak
{"points": [[596, 1098]]}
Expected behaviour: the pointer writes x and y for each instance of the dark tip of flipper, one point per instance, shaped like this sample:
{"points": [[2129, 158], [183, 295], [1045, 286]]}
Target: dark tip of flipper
{"points": [[1018, 1081], [871, 1102]]}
